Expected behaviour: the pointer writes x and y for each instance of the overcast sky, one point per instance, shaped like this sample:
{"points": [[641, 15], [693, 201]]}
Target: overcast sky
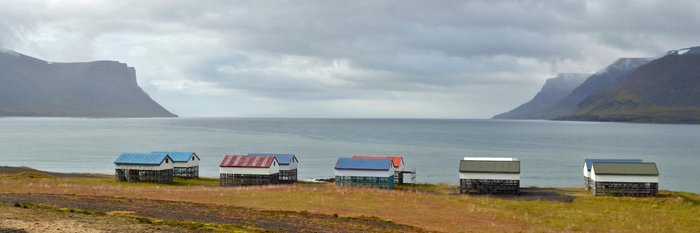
{"points": [[417, 59]]}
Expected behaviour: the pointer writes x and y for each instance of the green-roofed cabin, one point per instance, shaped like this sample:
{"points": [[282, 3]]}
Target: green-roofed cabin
{"points": [[624, 179], [489, 176]]}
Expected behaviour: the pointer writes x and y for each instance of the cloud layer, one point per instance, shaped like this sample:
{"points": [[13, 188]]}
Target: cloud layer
{"points": [[446, 59]]}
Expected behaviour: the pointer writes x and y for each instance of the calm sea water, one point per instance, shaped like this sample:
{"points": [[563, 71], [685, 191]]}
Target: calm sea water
{"points": [[551, 152]]}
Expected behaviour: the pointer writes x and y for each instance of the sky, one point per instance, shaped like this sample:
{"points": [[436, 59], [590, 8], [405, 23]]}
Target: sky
{"points": [[373, 59]]}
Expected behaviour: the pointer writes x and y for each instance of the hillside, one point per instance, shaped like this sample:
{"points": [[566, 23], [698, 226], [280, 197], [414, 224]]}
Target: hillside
{"points": [[33, 87], [553, 91], [609, 77], [666, 90]]}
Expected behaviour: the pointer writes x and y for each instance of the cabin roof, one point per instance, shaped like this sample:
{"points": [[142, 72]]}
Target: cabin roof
{"points": [[588, 162], [619, 168], [490, 159], [482, 166], [141, 158], [397, 161], [283, 159], [181, 156], [250, 161], [363, 164]]}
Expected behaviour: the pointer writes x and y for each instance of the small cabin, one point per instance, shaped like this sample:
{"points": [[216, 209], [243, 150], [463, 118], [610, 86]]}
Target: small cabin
{"points": [[360, 172], [144, 167], [479, 175], [289, 165], [624, 179], [397, 161], [186, 163], [587, 164], [242, 170]]}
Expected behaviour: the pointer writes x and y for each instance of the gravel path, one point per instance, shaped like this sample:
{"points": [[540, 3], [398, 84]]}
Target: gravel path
{"points": [[276, 221]]}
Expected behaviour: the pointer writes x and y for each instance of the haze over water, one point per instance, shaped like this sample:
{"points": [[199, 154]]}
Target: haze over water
{"points": [[551, 152]]}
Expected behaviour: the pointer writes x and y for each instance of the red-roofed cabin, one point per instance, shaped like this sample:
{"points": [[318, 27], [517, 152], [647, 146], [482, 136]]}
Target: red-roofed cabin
{"points": [[239, 170], [396, 160]]}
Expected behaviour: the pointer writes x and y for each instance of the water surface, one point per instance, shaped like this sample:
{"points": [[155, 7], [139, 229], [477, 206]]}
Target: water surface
{"points": [[552, 152]]}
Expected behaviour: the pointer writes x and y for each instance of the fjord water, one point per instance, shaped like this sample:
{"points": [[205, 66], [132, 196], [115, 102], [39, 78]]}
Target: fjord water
{"points": [[551, 152]]}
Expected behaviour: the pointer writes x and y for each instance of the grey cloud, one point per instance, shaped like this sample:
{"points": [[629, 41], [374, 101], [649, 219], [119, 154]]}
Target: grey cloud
{"points": [[487, 54]]}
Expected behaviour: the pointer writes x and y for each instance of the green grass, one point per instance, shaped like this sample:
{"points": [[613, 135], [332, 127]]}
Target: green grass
{"points": [[428, 188], [428, 206]]}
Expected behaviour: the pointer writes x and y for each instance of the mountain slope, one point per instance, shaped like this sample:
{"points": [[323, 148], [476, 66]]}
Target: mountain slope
{"points": [[664, 90], [33, 87], [609, 77], [554, 89]]}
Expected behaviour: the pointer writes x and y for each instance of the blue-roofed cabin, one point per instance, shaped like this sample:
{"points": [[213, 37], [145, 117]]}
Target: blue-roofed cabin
{"points": [[144, 167], [186, 163], [288, 163], [362, 172], [588, 164]]}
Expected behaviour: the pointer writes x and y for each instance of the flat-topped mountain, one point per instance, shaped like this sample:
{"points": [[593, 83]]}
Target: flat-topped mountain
{"points": [[33, 87], [552, 92], [664, 90]]}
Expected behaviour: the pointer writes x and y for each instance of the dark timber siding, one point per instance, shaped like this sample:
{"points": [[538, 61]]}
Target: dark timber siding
{"points": [[288, 176], [228, 179], [145, 176], [624, 189], [487, 186], [368, 182], [186, 172]]}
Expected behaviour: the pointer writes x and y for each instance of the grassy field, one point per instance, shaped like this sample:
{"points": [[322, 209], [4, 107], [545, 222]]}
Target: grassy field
{"points": [[428, 207]]}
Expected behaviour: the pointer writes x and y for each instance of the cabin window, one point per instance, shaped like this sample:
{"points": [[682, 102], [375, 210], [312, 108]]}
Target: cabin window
{"points": [[166, 160], [274, 163], [192, 158]]}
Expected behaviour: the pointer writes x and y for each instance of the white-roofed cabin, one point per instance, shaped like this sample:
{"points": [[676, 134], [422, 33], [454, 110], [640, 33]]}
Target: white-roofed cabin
{"points": [[241, 170], [144, 167], [364, 172], [624, 179], [397, 161], [478, 175], [588, 163], [186, 164], [288, 165]]}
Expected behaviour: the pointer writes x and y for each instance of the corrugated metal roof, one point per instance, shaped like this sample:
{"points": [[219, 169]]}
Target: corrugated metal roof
{"points": [[181, 156], [396, 160], [141, 158], [590, 161], [618, 168], [489, 166], [363, 164], [248, 161], [284, 159]]}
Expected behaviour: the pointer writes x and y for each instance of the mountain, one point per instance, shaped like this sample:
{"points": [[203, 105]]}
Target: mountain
{"points": [[609, 77], [33, 87], [554, 89], [666, 90]]}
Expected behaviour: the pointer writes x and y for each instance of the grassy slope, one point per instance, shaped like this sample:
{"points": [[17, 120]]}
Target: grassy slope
{"points": [[433, 209]]}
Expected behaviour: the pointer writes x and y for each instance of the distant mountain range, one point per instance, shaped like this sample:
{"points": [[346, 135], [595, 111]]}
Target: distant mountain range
{"points": [[33, 87], [664, 90], [552, 92]]}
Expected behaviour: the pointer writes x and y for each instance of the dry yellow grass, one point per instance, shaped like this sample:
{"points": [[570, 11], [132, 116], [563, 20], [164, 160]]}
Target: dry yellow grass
{"points": [[671, 212]]}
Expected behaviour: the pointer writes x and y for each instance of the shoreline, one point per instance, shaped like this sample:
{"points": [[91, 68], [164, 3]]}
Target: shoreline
{"points": [[25, 169]]}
